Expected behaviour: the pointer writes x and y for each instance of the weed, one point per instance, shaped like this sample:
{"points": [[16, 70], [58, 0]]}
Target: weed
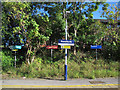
{"points": [[85, 69]]}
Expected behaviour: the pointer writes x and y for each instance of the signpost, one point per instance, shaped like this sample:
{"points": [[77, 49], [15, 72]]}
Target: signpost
{"points": [[65, 47], [66, 42], [96, 47], [52, 47], [15, 48]]}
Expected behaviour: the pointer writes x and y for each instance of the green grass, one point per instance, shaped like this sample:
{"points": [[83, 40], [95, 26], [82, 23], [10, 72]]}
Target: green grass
{"points": [[86, 69], [79, 66]]}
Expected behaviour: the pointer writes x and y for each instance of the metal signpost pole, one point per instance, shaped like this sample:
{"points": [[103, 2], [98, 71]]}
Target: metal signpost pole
{"points": [[15, 48], [51, 52], [66, 50], [96, 54], [15, 59], [96, 47]]}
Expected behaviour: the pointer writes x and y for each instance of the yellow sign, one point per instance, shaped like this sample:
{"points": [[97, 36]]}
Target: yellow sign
{"points": [[15, 50], [66, 47]]}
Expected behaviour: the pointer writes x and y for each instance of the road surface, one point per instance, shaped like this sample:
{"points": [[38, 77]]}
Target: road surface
{"points": [[70, 83]]}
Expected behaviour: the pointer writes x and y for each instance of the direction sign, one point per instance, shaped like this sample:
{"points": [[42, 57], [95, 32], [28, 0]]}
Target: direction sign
{"points": [[15, 50], [15, 47], [65, 47], [66, 42], [52, 47], [96, 47]]}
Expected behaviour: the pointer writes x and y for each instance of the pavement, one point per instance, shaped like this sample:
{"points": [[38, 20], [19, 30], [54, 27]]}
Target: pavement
{"points": [[70, 83]]}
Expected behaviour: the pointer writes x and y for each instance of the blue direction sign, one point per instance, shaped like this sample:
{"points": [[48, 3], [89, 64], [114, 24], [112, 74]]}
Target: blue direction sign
{"points": [[16, 47], [96, 47], [66, 42]]}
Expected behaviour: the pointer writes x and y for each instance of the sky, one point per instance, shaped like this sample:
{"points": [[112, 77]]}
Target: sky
{"points": [[97, 14], [112, 0]]}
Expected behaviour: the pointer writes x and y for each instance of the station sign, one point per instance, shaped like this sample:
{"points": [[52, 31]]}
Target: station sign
{"points": [[52, 47], [65, 47], [96, 47], [15, 47], [66, 42]]}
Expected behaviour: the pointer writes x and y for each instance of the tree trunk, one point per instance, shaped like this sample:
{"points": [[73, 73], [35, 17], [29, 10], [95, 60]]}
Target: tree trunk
{"points": [[75, 43], [27, 58], [75, 30], [28, 61], [33, 59], [28, 54]]}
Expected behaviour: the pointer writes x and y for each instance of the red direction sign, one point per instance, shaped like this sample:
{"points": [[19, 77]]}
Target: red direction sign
{"points": [[52, 47]]}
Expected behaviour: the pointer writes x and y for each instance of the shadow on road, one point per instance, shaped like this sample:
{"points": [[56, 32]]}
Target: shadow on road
{"points": [[52, 79]]}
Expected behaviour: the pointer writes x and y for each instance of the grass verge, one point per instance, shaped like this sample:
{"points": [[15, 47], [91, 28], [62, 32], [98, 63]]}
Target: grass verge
{"points": [[85, 69]]}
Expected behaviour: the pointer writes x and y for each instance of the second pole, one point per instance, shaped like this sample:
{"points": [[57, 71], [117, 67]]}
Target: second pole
{"points": [[66, 51], [15, 59]]}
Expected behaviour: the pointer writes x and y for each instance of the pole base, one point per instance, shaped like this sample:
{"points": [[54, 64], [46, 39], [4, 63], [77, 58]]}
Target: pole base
{"points": [[65, 72]]}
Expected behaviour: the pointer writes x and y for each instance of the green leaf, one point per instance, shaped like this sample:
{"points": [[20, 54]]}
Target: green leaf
{"points": [[114, 43], [112, 12]]}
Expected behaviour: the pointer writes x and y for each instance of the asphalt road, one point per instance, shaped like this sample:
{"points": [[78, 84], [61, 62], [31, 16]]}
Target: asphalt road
{"points": [[71, 83]]}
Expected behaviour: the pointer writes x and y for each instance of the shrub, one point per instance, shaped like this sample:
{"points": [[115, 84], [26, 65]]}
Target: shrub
{"points": [[84, 69], [7, 61]]}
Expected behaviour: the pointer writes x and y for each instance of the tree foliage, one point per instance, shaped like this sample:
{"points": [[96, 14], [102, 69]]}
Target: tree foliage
{"points": [[22, 23]]}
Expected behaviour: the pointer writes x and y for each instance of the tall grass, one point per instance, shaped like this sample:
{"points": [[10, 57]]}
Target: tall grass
{"points": [[85, 69]]}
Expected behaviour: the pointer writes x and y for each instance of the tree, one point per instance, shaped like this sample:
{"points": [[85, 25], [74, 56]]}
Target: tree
{"points": [[20, 20], [75, 19], [78, 21], [112, 39]]}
